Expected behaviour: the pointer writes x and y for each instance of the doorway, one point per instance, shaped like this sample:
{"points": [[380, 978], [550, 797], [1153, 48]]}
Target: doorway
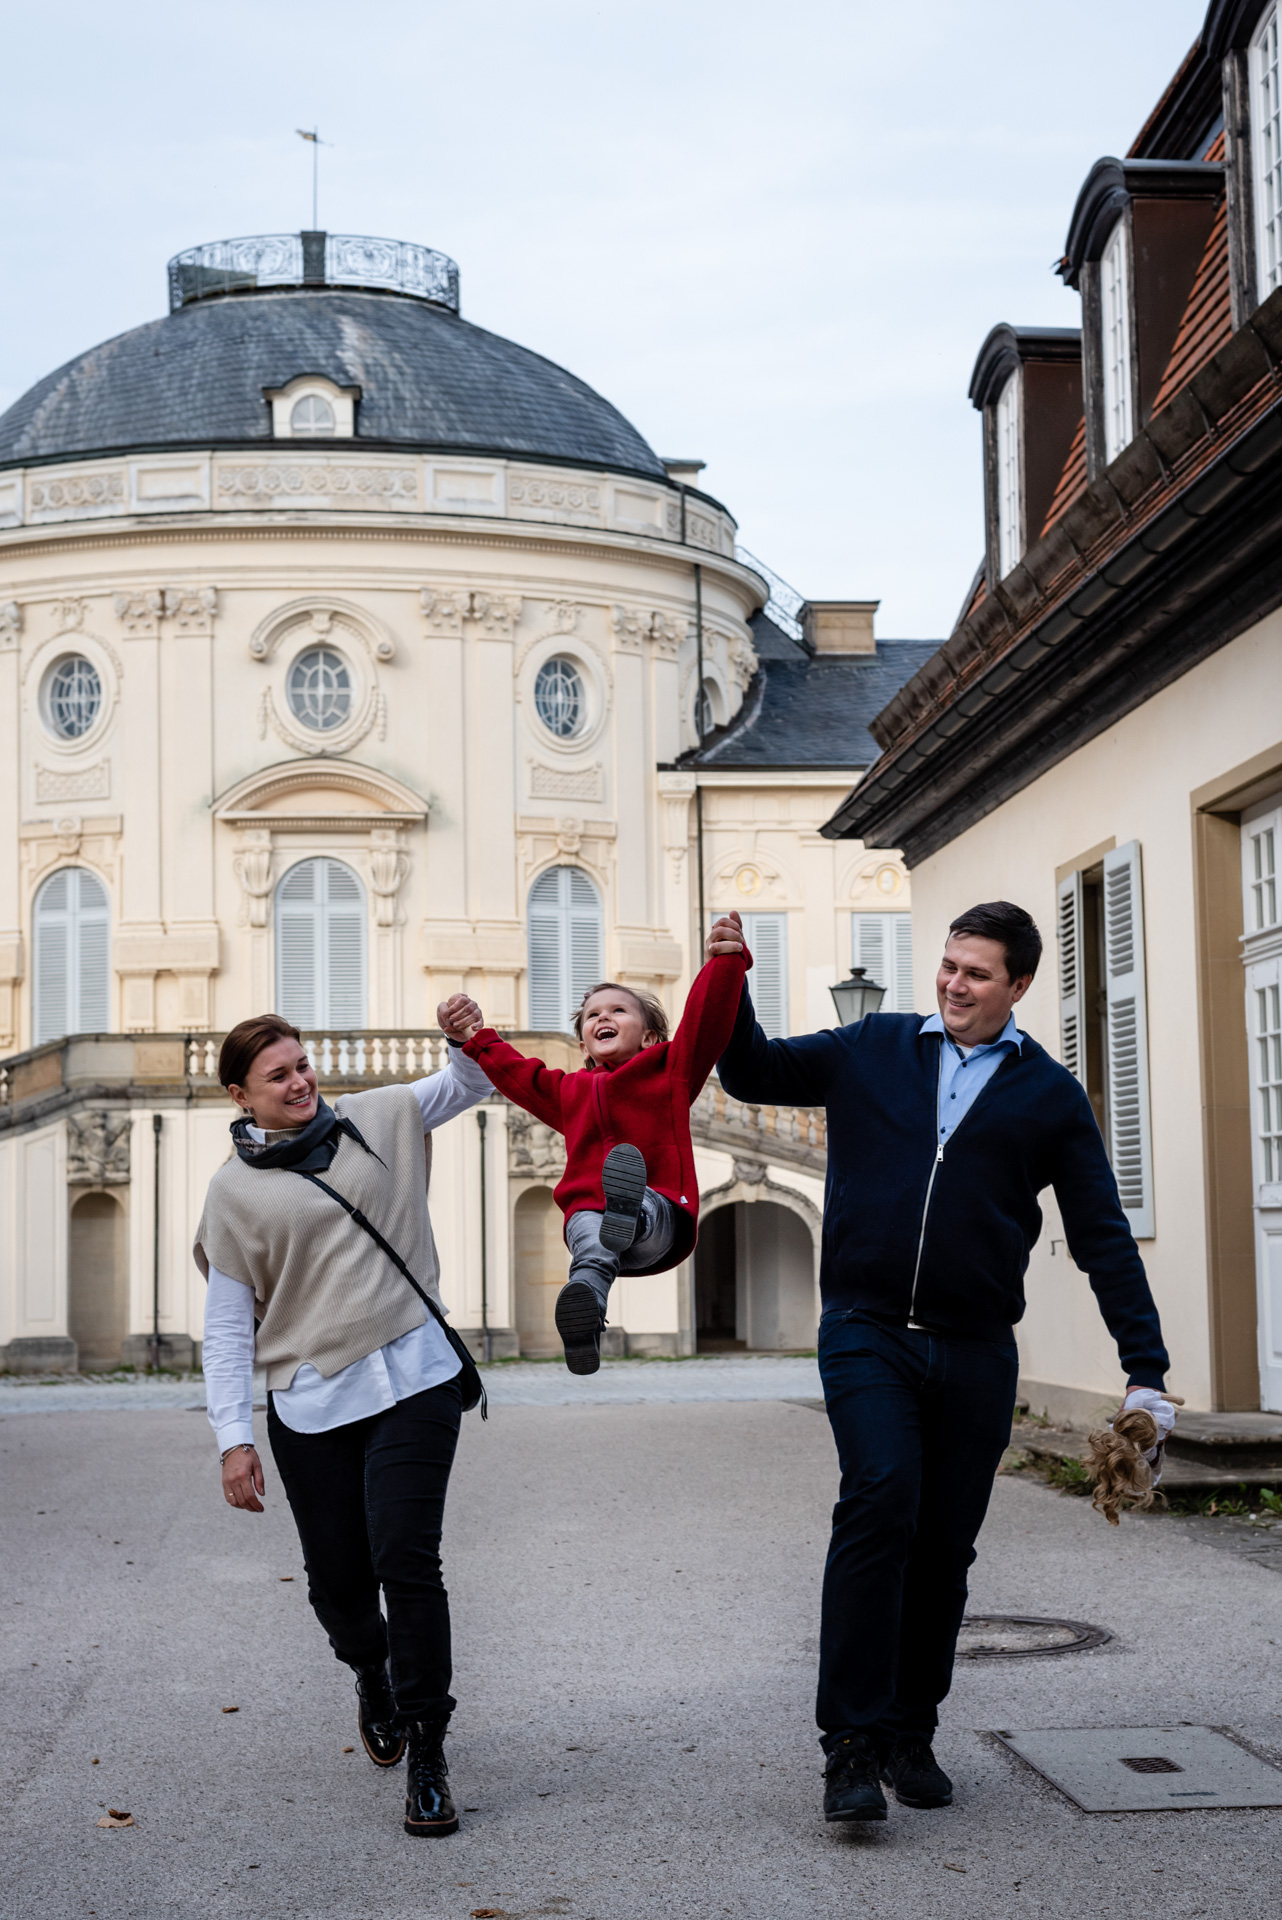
{"points": [[1262, 957], [755, 1281], [541, 1266], [97, 1281]]}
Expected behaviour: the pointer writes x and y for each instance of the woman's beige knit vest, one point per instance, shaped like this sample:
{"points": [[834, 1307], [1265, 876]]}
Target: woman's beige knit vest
{"points": [[323, 1291]]}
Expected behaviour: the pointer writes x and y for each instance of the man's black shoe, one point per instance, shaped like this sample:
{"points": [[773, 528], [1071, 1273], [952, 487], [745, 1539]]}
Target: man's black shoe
{"points": [[911, 1770], [579, 1321], [381, 1733], [429, 1810], [851, 1788]]}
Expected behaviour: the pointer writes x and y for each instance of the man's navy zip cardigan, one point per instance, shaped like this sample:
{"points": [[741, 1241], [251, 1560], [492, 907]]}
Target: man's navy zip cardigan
{"points": [[943, 1233]]}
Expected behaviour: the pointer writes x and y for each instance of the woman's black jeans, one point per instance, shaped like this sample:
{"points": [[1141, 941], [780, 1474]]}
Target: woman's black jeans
{"points": [[369, 1500], [921, 1421]]}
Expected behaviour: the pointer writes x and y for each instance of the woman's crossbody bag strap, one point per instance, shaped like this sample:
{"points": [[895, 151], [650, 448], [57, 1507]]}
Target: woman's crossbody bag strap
{"points": [[469, 1378]]}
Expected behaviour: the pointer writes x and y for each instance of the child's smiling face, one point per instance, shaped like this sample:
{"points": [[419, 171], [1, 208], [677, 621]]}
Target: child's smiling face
{"points": [[614, 1028]]}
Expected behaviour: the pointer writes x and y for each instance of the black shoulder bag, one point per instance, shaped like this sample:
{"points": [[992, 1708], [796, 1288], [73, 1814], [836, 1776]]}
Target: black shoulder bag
{"points": [[469, 1378]]}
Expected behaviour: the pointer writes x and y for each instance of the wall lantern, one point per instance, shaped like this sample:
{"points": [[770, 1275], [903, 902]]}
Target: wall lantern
{"points": [[855, 997]]}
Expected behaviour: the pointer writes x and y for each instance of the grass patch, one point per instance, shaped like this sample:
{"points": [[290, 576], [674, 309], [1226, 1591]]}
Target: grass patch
{"points": [[1242, 1502]]}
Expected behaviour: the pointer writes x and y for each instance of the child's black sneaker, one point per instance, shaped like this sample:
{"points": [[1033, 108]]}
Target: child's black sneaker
{"points": [[623, 1179], [579, 1321]]}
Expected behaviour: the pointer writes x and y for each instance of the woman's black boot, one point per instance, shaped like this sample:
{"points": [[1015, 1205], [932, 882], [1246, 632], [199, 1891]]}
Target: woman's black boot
{"points": [[382, 1735], [429, 1809]]}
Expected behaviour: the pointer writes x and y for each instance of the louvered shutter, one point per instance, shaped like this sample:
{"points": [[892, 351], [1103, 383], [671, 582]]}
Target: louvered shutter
{"points": [[297, 995], [1130, 1130], [585, 941], [767, 935], [1072, 976], [901, 966], [343, 907], [92, 959], [544, 938], [53, 958], [882, 944]]}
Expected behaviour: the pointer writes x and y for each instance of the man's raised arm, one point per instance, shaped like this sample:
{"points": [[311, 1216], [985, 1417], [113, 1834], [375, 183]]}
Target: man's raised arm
{"points": [[771, 1072]]}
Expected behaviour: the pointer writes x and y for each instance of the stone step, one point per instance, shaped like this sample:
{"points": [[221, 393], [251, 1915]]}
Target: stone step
{"points": [[1197, 1465]]}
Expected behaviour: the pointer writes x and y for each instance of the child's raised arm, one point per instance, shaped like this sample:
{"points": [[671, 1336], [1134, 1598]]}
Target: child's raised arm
{"points": [[709, 1017], [526, 1082]]}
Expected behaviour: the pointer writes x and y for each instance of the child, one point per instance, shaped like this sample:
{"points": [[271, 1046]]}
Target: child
{"points": [[629, 1192]]}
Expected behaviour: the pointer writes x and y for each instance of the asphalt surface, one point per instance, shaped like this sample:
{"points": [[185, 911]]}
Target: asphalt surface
{"points": [[635, 1594]]}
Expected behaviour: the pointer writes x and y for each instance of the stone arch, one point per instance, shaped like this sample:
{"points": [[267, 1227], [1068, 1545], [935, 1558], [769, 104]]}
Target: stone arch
{"points": [[539, 1269], [756, 1268], [97, 1279]]}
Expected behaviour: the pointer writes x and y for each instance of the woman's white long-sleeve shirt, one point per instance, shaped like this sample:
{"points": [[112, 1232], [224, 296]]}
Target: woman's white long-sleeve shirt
{"points": [[420, 1359]]}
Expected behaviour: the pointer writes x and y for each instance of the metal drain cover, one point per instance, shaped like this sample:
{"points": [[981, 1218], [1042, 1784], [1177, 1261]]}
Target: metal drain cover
{"points": [[1011, 1636], [1147, 1769]]}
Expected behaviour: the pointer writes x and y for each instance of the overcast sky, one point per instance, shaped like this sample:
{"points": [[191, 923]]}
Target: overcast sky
{"points": [[773, 232]]}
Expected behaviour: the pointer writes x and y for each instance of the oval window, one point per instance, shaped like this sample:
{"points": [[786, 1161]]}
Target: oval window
{"points": [[559, 698], [73, 697], [320, 689]]}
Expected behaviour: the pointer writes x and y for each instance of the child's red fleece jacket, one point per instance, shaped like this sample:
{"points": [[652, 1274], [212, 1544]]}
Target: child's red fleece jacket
{"points": [[645, 1102]]}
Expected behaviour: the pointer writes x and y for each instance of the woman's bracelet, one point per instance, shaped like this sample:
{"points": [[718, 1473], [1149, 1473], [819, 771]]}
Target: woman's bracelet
{"points": [[245, 1446]]}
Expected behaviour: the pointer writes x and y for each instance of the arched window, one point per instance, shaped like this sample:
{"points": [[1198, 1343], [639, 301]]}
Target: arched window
{"points": [[566, 934], [320, 946], [72, 955], [312, 418]]}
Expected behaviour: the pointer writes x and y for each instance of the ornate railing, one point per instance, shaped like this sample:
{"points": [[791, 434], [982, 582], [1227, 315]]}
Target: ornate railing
{"points": [[262, 260], [785, 603], [791, 1133], [369, 1057]]}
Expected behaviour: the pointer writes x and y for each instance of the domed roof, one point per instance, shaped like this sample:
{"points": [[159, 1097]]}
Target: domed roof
{"points": [[427, 379]]}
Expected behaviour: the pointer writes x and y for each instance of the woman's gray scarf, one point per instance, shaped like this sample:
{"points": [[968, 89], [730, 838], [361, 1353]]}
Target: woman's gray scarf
{"points": [[310, 1150]]}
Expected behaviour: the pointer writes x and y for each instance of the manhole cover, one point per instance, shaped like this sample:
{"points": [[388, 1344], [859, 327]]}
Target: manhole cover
{"points": [[1012, 1636], [1144, 1769]]}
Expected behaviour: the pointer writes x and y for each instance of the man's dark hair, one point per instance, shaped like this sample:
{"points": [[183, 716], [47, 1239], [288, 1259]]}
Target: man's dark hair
{"points": [[1017, 931]]}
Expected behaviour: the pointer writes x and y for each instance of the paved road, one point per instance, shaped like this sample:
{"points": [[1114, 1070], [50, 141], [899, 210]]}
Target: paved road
{"points": [[635, 1592]]}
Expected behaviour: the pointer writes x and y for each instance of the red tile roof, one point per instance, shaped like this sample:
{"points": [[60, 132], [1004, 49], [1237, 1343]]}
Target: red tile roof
{"points": [[1072, 480], [1206, 324]]}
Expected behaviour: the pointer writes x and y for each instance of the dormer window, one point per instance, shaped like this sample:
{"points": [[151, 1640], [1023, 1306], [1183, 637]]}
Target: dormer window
{"points": [[1010, 531], [1115, 298], [312, 418], [1266, 125], [312, 407]]}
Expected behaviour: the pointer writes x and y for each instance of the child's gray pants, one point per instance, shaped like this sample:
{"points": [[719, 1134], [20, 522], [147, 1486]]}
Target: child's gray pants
{"points": [[597, 1266]]}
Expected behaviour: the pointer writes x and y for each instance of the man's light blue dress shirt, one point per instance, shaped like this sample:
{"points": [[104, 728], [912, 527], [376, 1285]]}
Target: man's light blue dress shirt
{"points": [[963, 1077]]}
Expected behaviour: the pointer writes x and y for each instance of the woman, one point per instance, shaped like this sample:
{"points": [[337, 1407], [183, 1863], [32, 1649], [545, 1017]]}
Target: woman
{"points": [[318, 1250]]}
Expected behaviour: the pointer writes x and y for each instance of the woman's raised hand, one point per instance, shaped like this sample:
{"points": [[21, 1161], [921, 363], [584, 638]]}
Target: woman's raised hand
{"points": [[243, 1479], [459, 1017], [726, 936]]}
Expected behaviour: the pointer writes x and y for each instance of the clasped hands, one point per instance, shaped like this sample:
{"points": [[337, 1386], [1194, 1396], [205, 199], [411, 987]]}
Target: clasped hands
{"points": [[459, 1017]]}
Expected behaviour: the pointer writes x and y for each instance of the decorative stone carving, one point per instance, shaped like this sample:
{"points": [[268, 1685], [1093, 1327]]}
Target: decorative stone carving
{"points": [[743, 659], [566, 783], [534, 1151], [86, 783], [10, 624], [72, 490], [495, 613], [388, 866], [667, 635], [98, 1148], [567, 495], [631, 628], [702, 532], [563, 616], [139, 613], [68, 615], [191, 609], [340, 486], [443, 612], [253, 865], [569, 835], [751, 1172]]}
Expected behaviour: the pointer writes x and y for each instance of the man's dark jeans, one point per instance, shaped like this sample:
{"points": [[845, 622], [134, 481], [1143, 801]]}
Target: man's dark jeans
{"points": [[368, 1500], [920, 1420]]}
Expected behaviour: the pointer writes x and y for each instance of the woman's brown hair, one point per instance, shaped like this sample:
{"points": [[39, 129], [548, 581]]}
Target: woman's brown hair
{"points": [[245, 1042], [651, 1010]]}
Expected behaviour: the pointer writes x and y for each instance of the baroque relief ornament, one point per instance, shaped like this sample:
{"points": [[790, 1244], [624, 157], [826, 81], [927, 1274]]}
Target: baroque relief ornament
{"points": [[10, 624], [98, 1148]]}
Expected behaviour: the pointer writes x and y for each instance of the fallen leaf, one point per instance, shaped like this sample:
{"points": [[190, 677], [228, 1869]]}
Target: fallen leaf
{"points": [[952, 1869], [488, 1913], [231, 1709], [349, 1749], [114, 1818], [94, 1761], [285, 1578]]}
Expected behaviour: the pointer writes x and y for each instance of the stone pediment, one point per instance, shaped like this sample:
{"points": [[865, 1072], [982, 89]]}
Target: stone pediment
{"points": [[321, 795]]}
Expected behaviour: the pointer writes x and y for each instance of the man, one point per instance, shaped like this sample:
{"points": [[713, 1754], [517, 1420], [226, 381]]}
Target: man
{"points": [[941, 1134]]}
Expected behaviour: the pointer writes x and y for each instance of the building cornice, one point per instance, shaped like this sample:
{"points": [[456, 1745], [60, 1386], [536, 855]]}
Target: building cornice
{"points": [[1171, 553]]}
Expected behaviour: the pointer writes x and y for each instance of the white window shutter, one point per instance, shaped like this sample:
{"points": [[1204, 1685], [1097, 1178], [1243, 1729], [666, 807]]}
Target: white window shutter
{"points": [[344, 947], [566, 937], [92, 957], [901, 968], [1072, 976], [767, 936], [53, 958], [297, 997], [1130, 1127]]}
